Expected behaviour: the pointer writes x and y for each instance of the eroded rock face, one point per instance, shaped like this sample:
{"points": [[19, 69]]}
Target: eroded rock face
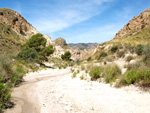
{"points": [[49, 40], [135, 25], [17, 22]]}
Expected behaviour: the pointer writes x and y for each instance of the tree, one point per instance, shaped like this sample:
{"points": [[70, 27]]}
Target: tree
{"points": [[66, 56], [47, 51], [34, 49], [37, 41], [139, 49]]}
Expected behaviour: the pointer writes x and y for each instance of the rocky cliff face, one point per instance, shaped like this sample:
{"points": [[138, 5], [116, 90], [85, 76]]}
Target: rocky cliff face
{"points": [[135, 25], [49, 40], [17, 23]]}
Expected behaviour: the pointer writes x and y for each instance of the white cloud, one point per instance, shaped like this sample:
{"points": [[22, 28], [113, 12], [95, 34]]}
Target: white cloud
{"points": [[65, 16]]}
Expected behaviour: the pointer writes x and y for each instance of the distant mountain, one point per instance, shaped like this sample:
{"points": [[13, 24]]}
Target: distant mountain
{"points": [[82, 46]]}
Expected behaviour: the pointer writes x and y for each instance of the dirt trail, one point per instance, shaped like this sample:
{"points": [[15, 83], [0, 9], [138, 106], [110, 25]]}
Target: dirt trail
{"points": [[25, 97], [54, 91]]}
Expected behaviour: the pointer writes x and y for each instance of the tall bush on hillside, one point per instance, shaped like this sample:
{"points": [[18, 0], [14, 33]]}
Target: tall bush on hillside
{"points": [[66, 56], [37, 41], [146, 52], [102, 54], [28, 54], [34, 49], [47, 51], [139, 49], [114, 49]]}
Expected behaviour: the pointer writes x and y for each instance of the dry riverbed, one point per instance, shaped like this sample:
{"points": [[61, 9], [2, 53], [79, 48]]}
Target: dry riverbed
{"points": [[54, 91]]}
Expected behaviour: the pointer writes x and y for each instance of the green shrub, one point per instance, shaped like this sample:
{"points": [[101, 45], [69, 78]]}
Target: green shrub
{"points": [[15, 80], [86, 71], [72, 70], [129, 77], [66, 56], [146, 52], [28, 54], [114, 49], [138, 65], [47, 51], [136, 76], [82, 77], [95, 72], [5, 96], [102, 54], [34, 49], [89, 59], [60, 67], [129, 58], [139, 49], [78, 71], [111, 73], [42, 58], [121, 53], [37, 41], [20, 70], [64, 67], [74, 75], [109, 58], [129, 47]]}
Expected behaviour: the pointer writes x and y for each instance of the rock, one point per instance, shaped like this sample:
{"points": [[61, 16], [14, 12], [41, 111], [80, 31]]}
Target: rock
{"points": [[49, 40], [61, 42]]}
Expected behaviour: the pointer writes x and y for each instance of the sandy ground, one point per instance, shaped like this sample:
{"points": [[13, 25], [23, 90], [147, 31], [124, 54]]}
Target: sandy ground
{"points": [[54, 91]]}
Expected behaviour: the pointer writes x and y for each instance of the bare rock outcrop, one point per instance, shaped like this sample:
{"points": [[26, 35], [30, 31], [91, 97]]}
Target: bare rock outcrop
{"points": [[60, 41], [135, 25], [49, 40], [17, 23]]}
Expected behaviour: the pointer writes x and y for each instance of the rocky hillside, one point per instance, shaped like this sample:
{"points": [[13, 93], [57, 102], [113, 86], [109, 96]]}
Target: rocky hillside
{"points": [[17, 23], [135, 25], [14, 31], [135, 32], [61, 47]]}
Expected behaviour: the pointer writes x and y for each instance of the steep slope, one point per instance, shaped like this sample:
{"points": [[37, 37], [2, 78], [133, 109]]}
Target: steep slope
{"points": [[17, 23], [137, 24]]}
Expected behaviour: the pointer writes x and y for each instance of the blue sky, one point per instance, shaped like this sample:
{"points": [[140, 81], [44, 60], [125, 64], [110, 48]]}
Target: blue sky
{"points": [[78, 21]]}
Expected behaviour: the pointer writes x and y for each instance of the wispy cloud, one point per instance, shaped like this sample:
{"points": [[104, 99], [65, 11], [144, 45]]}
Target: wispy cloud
{"points": [[66, 15]]}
